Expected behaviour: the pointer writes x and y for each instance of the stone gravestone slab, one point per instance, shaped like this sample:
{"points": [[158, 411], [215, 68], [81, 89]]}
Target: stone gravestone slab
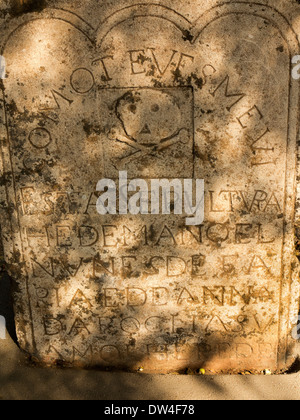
{"points": [[157, 93]]}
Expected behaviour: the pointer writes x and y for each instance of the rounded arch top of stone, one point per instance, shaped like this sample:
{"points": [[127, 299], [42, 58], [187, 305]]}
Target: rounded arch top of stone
{"points": [[192, 30], [12, 26], [138, 11], [269, 13]]}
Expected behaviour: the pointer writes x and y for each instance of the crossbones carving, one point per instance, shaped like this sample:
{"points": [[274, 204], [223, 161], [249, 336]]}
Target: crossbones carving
{"points": [[151, 121]]}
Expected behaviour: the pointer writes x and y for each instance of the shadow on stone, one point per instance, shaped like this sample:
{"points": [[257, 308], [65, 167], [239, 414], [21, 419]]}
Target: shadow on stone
{"points": [[6, 306], [18, 7], [295, 368]]}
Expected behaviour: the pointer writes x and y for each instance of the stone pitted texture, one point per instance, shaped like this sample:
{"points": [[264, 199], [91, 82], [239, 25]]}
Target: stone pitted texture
{"points": [[175, 89]]}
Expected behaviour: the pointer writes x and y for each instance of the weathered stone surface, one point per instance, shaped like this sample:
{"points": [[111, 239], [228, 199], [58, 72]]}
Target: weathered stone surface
{"points": [[168, 90]]}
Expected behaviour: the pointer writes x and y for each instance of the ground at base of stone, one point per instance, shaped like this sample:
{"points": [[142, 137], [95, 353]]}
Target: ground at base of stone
{"points": [[20, 380]]}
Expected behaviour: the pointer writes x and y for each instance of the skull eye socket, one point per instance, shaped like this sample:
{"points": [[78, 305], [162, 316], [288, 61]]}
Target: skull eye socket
{"points": [[132, 108], [155, 108]]}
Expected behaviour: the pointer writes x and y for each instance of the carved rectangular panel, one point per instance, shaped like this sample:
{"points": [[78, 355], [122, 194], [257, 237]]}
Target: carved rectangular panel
{"points": [[146, 127], [150, 91]]}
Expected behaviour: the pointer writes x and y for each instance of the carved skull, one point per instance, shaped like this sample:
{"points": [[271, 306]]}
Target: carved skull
{"points": [[149, 116]]}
